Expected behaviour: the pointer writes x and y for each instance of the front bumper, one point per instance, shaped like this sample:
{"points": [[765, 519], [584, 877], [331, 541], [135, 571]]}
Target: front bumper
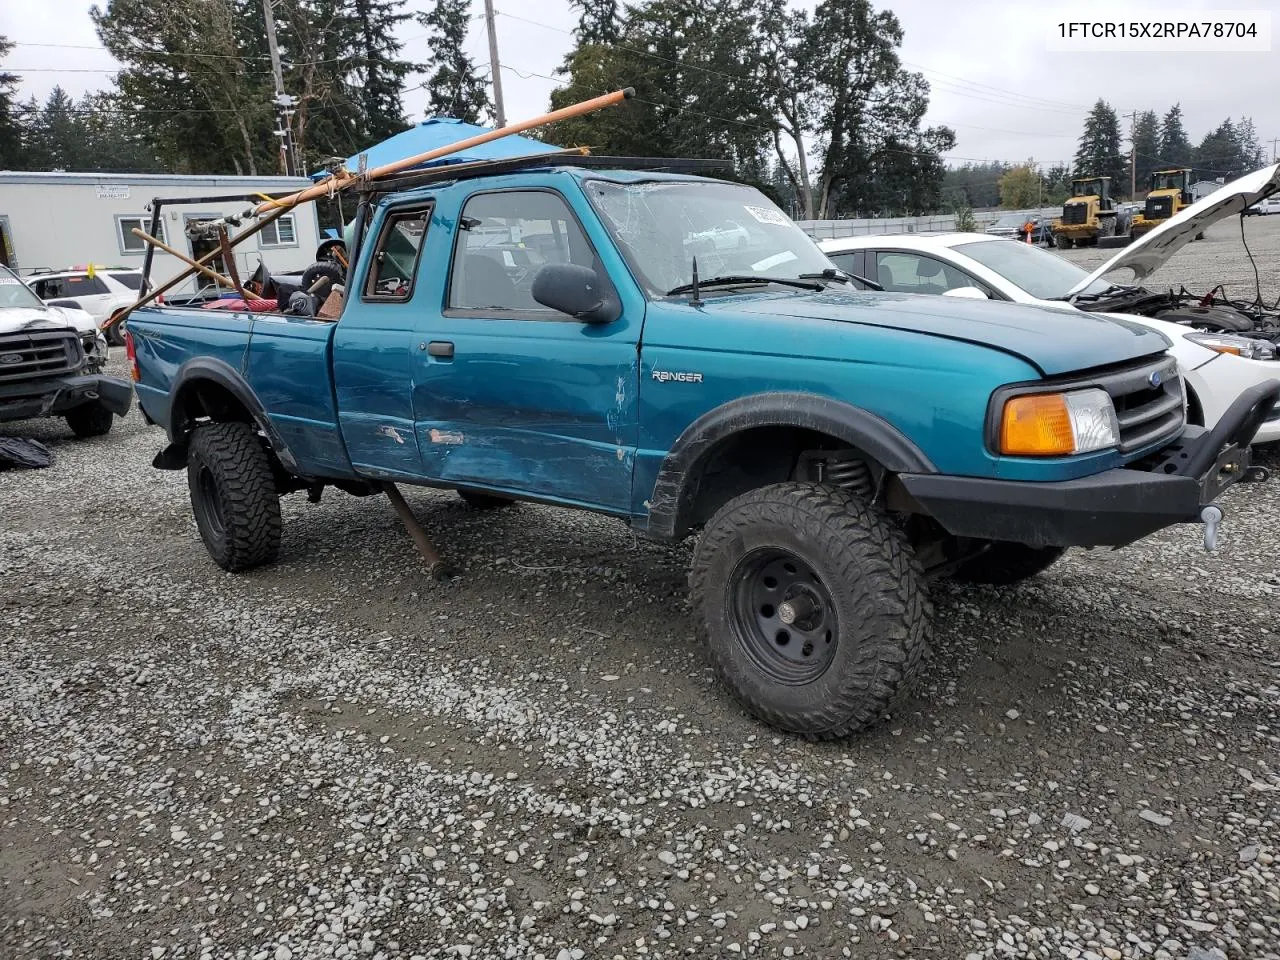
{"points": [[1112, 508], [56, 395]]}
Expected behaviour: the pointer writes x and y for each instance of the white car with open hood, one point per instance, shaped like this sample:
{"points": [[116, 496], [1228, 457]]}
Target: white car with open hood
{"points": [[1222, 349]]}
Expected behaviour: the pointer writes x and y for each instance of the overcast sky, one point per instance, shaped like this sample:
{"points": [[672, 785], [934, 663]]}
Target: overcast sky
{"points": [[993, 79]]}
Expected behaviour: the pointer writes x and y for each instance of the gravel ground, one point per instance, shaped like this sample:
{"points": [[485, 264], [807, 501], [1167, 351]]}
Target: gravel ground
{"points": [[337, 757]]}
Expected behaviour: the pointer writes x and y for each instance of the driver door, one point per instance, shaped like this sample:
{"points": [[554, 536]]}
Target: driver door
{"points": [[509, 394]]}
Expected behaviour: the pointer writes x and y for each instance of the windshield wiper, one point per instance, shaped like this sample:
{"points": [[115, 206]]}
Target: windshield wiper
{"points": [[1115, 289], [831, 273], [735, 280]]}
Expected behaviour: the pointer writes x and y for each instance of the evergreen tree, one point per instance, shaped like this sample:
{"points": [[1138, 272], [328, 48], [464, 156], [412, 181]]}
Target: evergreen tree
{"points": [[1175, 148], [1099, 153], [11, 132], [598, 22], [454, 89], [1220, 154], [1146, 148], [1251, 152], [379, 72]]}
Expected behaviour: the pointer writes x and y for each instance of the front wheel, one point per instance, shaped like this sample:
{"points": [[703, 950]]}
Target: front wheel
{"points": [[1062, 243], [1005, 563], [813, 605], [89, 420], [233, 496]]}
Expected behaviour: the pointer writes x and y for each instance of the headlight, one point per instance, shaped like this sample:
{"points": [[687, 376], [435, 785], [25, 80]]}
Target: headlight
{"points": [[1058, 424], [1245, 347]]}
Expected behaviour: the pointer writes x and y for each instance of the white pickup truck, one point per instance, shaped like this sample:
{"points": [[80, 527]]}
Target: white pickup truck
{"points": [[51, 362]]}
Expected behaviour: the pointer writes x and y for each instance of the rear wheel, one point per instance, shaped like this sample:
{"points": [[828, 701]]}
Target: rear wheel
{"points": [[233, 496], [813, 605], [115, 334], [1005, 563], [89, 420], [1062, 243]]}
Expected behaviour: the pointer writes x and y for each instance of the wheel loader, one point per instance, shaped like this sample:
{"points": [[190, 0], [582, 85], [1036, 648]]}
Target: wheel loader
{"points": [[1170, 192], [1090, 214]]}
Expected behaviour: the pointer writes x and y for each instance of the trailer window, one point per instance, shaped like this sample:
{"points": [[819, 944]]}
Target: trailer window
{"points": [[279, 233], [133, 244], [394, 263]]}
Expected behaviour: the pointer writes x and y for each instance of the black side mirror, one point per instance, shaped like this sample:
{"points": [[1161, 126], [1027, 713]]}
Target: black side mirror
{"points": [[578, 291]]}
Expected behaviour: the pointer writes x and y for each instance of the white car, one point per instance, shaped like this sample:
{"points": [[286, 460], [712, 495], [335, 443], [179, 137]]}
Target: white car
{"points": [[104, 292], [1264, 207], [1216, 366]]}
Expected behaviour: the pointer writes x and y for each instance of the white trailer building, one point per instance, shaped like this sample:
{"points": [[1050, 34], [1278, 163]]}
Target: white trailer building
{"points": [[53, 221]]}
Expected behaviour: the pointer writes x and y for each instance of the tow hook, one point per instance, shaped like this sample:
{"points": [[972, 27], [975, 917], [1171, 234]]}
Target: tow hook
{"points": [[1212, 516], [1256, 474]]}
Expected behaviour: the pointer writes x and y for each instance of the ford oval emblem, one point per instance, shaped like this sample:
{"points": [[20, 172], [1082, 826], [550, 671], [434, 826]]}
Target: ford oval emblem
{"points": [[1154, 379], [8, 358]]}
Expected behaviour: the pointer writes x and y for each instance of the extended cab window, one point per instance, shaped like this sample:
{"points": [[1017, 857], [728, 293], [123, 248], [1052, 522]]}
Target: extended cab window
{"points": [[504, 238], [395, 259], [912, 273]]}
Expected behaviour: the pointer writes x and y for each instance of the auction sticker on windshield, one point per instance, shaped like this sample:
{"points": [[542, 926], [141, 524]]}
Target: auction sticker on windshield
{"points": [[765, 215]]}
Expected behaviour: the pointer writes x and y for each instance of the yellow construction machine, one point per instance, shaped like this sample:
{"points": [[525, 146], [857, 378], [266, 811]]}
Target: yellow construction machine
{"points": [[1170, 191], [1089, 215]]}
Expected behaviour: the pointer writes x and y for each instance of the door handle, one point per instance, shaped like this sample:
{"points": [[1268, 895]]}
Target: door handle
{"points": [[440, 348]]}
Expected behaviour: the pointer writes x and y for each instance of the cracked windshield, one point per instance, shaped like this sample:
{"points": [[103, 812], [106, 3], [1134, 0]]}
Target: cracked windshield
{"points": [[732, 230]]}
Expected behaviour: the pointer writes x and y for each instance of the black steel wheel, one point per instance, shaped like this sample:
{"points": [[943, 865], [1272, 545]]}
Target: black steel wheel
{"points": [[813, 606], [233, 495], [783, 616]]}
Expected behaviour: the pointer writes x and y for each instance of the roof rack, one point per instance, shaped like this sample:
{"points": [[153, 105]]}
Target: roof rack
{"points": [[492, 168]]}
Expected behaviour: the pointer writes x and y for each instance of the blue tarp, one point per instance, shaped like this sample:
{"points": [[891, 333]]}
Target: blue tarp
{"points": [[440, 132]]}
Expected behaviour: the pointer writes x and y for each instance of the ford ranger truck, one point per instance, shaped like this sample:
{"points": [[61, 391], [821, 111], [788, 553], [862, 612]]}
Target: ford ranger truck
{"points": [[673, 351]]}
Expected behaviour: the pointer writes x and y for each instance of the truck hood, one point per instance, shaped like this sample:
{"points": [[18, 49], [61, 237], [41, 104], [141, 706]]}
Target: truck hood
{"points": [[15, 319], [1053, 341], [1153, 249]]}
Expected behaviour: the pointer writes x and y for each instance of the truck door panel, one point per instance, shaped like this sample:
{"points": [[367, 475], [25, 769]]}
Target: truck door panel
{"points": [[509, 394], [288, 369], [375, 348]]}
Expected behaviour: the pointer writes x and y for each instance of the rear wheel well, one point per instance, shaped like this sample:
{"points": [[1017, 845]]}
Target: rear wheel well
{"points": [[206, 400], [758, 456]]}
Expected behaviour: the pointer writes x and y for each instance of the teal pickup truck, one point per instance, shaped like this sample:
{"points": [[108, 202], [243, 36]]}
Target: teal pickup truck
{"points": [[673, 351]]}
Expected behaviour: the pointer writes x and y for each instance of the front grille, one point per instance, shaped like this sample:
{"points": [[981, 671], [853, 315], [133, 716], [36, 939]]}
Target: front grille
{"points": [[38, 353], [1147, 412], [1159, 208], [1075, 213]]}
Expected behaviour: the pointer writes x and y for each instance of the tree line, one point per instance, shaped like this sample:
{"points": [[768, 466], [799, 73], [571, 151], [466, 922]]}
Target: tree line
{"points": [[1158, 141], [814, 106]]}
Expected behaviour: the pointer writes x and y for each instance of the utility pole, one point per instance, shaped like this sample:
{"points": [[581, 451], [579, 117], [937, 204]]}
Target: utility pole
{"points": [[1133, 157], [495, 69], [283, 102], [1273, 148]]}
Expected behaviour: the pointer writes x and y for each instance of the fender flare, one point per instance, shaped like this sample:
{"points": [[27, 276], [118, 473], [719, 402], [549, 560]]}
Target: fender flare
{"points": [[211, 369], [670, 504]]}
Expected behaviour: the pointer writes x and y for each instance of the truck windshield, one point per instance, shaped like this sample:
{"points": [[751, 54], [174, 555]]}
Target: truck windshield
{"points": [[1042, 274], [15, 293], [733, 230]]}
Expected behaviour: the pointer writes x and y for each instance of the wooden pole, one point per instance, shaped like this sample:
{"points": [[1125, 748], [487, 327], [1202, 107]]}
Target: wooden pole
{"points": [[338, 181], [193, 264]]}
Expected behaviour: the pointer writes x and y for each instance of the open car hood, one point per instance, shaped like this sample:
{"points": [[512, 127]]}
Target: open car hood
{"points": [[1147, 254]]}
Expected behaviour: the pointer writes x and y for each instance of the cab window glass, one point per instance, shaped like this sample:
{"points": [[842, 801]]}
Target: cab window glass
{"points": [[395, 259], [911, 273], [504, 239]]}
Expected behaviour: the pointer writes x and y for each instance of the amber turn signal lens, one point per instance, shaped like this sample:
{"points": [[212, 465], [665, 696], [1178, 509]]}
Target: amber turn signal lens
{"points": [[1036, 425]]}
